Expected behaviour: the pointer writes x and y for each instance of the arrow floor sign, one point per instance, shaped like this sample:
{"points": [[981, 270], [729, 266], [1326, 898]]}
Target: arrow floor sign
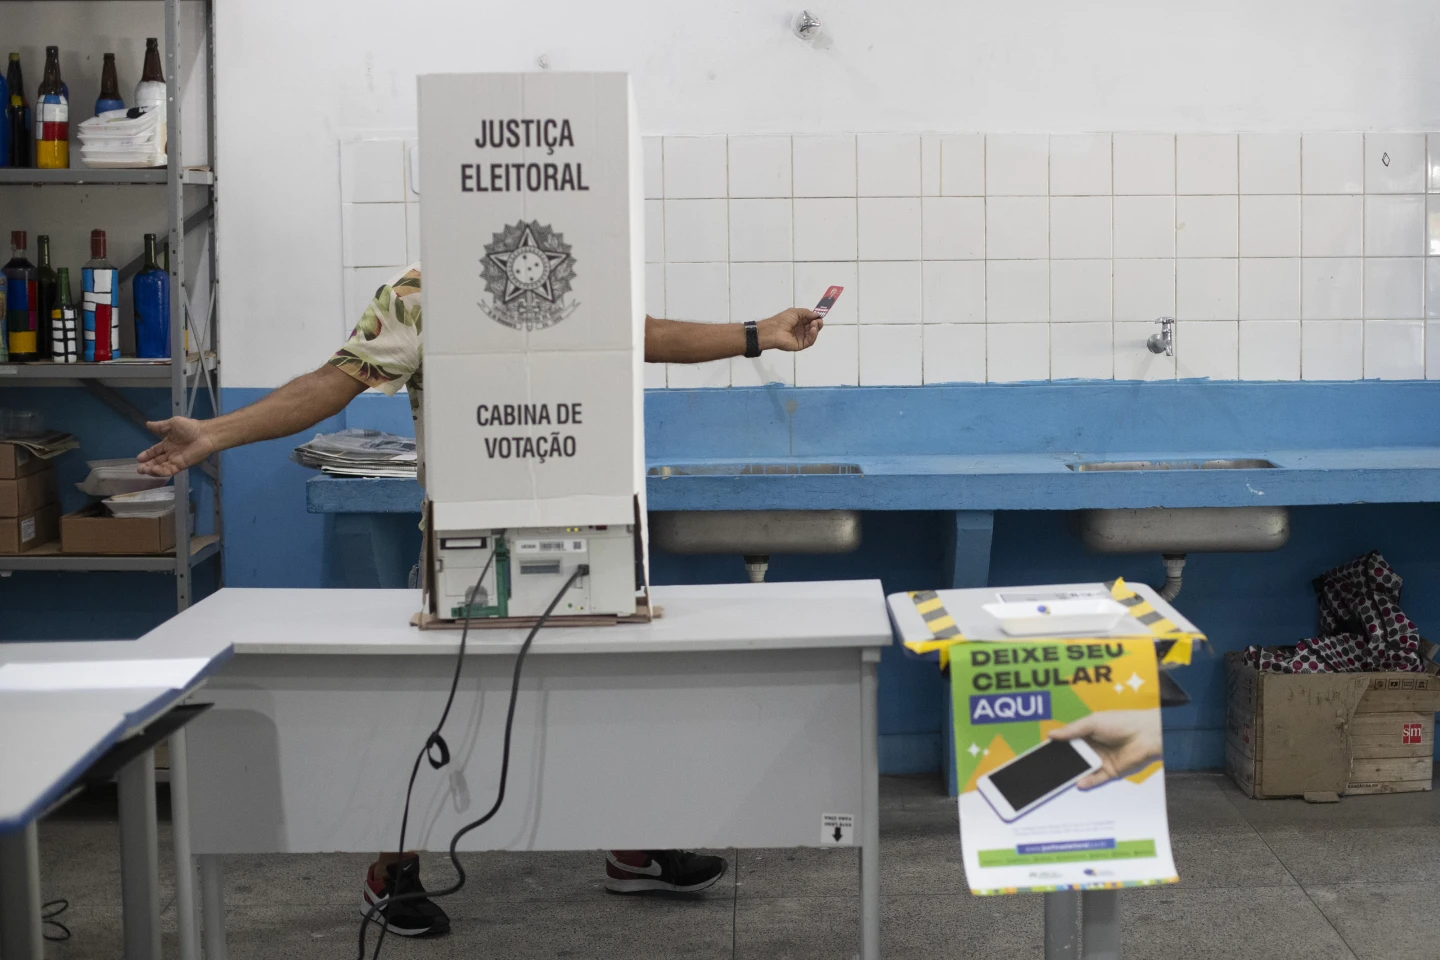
{"points": [[837, 829]]}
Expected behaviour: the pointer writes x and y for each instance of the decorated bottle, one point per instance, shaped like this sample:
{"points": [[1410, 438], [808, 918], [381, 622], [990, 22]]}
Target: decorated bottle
{"points": [[100, 283], [64, 323], [52, 117], [151, 290], [17, 115], [109, 98], [21, 302], [46, 282], [150, 91]]}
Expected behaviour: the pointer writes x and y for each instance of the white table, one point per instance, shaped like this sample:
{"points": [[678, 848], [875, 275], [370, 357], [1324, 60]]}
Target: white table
{"points": [[72, 729], [739, 718]]}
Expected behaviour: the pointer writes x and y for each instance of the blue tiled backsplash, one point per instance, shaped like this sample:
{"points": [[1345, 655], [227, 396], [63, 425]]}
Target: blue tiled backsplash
{"points": [[1017, 257]]}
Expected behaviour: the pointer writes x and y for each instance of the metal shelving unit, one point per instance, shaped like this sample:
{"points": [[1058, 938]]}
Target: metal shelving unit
{"points": [[200, 371]]}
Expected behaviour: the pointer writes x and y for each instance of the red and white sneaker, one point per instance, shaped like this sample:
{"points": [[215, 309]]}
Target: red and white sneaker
{"points": [[666, 871]]}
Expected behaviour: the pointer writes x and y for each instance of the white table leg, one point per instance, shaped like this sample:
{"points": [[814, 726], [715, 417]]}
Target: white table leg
{"points": [[139, 858], [20, 895], [870, 808], [187, 919], [212, 902], [1100, 924], [1062, 925]]}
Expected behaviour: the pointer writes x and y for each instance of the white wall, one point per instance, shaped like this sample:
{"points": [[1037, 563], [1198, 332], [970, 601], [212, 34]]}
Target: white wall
{"points": [[297, 77]]}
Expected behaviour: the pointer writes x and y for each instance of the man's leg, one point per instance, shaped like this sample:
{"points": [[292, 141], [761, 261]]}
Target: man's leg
{"points": [[666, 871], [394, 874]]}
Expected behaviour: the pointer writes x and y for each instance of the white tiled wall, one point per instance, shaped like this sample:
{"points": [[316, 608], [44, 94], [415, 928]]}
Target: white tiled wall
{"points": [[1018, 257]]}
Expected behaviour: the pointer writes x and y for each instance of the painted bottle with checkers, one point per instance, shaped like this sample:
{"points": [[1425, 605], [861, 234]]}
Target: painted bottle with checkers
{"points": [[100, 282], [64, 323], [52, 117]]}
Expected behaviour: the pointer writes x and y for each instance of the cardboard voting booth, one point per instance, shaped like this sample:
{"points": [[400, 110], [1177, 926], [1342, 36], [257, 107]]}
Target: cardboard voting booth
{"points": [[532, 244]]}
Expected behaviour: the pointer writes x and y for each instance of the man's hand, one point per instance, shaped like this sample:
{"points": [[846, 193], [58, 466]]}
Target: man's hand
{"points": [[793, 329], [1125, 740], [184, 443]]}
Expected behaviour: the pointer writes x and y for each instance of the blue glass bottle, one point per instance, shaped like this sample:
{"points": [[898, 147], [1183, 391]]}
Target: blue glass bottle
{"points": [[151, 290]]}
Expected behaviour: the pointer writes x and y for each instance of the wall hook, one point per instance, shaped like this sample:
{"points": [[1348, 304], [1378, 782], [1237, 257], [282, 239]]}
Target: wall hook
{"points": [[807, 25]]}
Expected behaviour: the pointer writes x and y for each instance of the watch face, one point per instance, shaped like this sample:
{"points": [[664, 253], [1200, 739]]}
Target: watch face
{"points": [[528, 267]]}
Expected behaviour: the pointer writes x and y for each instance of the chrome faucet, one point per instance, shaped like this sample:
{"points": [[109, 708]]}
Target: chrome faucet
{"points": [[1164, 341]]}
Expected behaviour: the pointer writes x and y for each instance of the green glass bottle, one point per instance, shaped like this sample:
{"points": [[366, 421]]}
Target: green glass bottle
{"points": [[46, 283]]}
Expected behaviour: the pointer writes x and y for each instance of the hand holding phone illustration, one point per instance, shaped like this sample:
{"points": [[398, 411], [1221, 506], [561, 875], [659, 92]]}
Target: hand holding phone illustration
{"points": [[1123, 739]]}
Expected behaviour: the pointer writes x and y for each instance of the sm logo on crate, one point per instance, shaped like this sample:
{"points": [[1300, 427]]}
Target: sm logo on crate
{"points": [[1411, 733], [1009, 707]]}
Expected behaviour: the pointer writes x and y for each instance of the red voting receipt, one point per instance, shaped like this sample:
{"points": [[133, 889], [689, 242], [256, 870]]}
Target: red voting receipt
{"points": [[828, 301]]}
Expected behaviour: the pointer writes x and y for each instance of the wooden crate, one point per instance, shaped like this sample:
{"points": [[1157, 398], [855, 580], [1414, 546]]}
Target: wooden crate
{"points": [[1324, 735]]}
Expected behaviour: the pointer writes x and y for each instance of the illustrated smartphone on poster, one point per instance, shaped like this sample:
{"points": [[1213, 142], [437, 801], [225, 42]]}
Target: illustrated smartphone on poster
{"points": [[1037, 775], [828, 301]]}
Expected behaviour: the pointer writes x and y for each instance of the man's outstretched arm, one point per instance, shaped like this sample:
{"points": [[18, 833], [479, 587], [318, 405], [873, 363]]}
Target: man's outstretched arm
{"points": [[299, 405], [677, 341]]}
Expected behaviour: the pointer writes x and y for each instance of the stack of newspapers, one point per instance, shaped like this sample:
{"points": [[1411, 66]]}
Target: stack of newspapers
{"points": [[359, 453]]}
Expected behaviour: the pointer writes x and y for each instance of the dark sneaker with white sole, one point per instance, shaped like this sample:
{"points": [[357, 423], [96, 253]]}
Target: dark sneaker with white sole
{"points": [[411, 918], [667, 871]]}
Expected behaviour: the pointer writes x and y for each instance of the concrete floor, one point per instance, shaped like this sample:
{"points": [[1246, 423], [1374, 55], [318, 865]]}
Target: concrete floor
{"points": [[1259, 879]]}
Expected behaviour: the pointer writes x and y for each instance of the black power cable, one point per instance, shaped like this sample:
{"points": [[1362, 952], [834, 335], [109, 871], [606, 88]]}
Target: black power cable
{"points": [[437, 741], [48, 912]]}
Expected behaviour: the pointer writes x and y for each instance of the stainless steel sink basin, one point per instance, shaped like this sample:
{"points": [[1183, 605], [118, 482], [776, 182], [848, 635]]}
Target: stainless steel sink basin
{"points": [[755, 532], [751, 469], [1176, 530], [1108, 465]]}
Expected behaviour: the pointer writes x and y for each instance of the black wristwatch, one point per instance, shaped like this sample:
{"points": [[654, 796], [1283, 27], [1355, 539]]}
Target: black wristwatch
{"points": [[752, 339]]}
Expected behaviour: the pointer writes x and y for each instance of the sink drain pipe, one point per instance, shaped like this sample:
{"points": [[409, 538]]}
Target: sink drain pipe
{"points": [[757, 564], [1174, 571]]}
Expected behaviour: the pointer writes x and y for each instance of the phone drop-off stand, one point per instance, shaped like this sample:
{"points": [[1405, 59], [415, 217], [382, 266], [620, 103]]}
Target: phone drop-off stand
{"points": [[1082, 926]]}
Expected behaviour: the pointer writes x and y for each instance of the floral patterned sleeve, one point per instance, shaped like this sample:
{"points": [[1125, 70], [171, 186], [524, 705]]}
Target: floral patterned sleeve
{"points": [[384, 350]]}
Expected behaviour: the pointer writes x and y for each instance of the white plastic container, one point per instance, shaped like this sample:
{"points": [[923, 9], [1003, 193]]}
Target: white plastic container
{"points": [[144, 503], [110, 477], [1090, 615]]}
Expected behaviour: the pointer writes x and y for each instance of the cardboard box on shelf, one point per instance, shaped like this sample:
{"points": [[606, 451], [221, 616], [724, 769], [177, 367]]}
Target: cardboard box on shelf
{"points": [[16, 462], [91, 531], [23, 534], [29, 493], [1324, 735]]}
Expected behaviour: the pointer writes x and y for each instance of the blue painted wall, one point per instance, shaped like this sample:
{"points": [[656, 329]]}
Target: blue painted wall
{"points": [[93, 606], [1238, 599]]}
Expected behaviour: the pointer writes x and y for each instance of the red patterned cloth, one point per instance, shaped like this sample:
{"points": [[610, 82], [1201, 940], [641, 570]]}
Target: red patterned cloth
{"points": [[1362, 627]]}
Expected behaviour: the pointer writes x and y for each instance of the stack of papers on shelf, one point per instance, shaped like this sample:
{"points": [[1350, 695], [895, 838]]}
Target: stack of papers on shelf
{"points": [[124, 138], [47, 445], [359, 453]]}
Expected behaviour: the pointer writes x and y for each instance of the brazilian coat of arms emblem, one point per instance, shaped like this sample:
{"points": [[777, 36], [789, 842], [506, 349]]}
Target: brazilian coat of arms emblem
{"points": [[527, 269]]}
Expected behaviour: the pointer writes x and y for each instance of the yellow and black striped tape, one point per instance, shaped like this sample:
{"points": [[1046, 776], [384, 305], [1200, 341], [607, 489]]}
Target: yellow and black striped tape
{"points": [[1172, 644], [943, 631]]}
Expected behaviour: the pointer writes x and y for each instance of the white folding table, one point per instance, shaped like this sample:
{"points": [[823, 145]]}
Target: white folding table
{"points": [[67, 730], [743, 716]]}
